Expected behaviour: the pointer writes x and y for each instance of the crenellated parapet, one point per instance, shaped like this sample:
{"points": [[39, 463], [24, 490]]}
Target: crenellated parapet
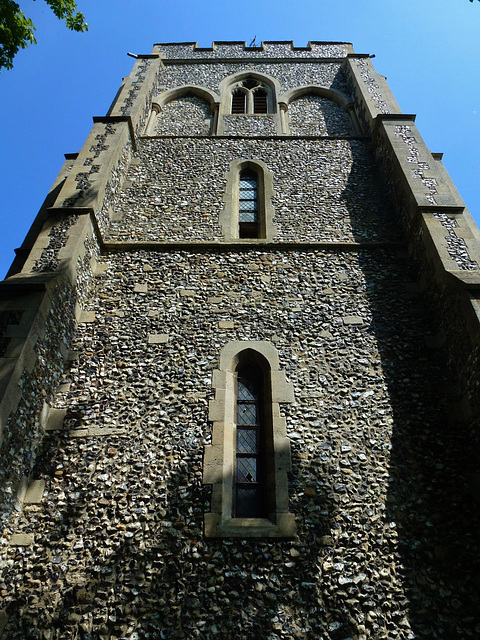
{"points": [[240, 49]]}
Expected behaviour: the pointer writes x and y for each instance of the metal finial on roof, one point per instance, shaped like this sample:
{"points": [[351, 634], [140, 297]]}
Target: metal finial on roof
{"points": [[252, 43]]}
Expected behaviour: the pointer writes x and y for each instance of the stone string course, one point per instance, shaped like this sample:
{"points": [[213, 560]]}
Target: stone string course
{"points": [[316, 116], [283, 50], [118, 549], [177, 190], [289, 75], [188, 116]]}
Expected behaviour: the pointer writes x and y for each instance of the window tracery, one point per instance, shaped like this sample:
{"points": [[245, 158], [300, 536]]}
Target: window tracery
{"points": [[250, 96]]}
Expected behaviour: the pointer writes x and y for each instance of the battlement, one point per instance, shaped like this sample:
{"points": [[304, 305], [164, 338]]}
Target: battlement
{"points": [[266, 49]]}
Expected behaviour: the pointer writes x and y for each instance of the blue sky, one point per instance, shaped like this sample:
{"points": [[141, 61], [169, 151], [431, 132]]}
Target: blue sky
{"points": [[428, 49]]}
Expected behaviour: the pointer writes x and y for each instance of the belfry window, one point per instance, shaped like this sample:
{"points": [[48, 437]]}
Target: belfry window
{"points": [[248, 205], [249, 471], [250, 96]]}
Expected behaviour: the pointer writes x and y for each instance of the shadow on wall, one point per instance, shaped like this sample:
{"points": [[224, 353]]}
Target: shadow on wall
{"points": [[130, 561], [430, 502]]}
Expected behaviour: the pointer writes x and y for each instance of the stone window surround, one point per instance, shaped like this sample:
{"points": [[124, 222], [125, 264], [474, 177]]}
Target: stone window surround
{"points": [[228, 218], [219, 457], [234, 81], [250, 102]]}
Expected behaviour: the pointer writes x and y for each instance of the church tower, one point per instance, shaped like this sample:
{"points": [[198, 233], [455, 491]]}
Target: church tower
{"points": [[240, 356]]}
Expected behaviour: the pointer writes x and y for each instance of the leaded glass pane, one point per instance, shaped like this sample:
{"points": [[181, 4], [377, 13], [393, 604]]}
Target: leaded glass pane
{"points": [[247, 413], [247, 216], [248, 194], [246, 440], [248, 183], [246, 470], [248, 205], [247, 390], [248, 502]]}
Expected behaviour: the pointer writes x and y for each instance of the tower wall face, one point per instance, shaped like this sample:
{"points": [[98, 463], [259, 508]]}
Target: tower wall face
{"points": [[126, 450], [336, 198]]}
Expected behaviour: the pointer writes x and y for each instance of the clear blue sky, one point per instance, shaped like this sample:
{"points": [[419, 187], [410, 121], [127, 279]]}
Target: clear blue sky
{"points": [[428, 49]]}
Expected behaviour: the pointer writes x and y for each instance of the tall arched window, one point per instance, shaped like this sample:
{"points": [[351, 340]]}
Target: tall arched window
{"points": [[248, 224], [248, 213], [249, 458], [249, 498]]}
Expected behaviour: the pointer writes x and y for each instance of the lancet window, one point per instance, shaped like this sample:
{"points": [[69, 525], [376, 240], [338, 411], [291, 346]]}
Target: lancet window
{"points": [[248, 205], [249, 464], [249, 458]]}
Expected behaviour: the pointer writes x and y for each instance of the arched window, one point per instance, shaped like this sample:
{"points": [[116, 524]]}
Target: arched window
{"points": [[249, 458], [248, 224], [250, 96], [249, 498], [248, 213]]}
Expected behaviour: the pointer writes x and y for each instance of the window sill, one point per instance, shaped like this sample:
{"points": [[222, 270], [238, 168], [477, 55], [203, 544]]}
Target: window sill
{"points": [[283, 527]]}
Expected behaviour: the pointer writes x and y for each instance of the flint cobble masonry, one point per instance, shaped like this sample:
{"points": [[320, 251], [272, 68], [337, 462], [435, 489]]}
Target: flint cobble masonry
{"points": [[179, 186], [366, 284], [121, 521]]}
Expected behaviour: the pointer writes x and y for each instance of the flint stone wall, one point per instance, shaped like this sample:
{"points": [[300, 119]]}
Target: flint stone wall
{"points": [[249, 125], [316, 116], [118, 548], [239, 50], [289, 76], [23, 431], [185, 116], [324, 190], [42, 349]]}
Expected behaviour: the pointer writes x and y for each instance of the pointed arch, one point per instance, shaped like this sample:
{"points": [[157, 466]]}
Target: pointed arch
{"points": [[202, 95], [261, 483], [341, 99], [251, 82]]}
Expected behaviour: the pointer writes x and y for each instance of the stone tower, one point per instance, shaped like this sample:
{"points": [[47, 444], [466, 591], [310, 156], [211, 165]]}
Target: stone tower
{"points": [[240, 390]]}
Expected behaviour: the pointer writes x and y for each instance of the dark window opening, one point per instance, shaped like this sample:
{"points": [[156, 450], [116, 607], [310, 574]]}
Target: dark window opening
{"points": [[248, 205], [250, 83], [249, 492], [260, 101], [239, 101]]}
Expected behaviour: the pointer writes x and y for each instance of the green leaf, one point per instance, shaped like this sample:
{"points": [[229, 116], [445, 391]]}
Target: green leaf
{"points": [[17, 31]]}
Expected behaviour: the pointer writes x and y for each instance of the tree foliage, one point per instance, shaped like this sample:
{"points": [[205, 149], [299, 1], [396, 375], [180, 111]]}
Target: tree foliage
{"points": [[17, 31]]}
